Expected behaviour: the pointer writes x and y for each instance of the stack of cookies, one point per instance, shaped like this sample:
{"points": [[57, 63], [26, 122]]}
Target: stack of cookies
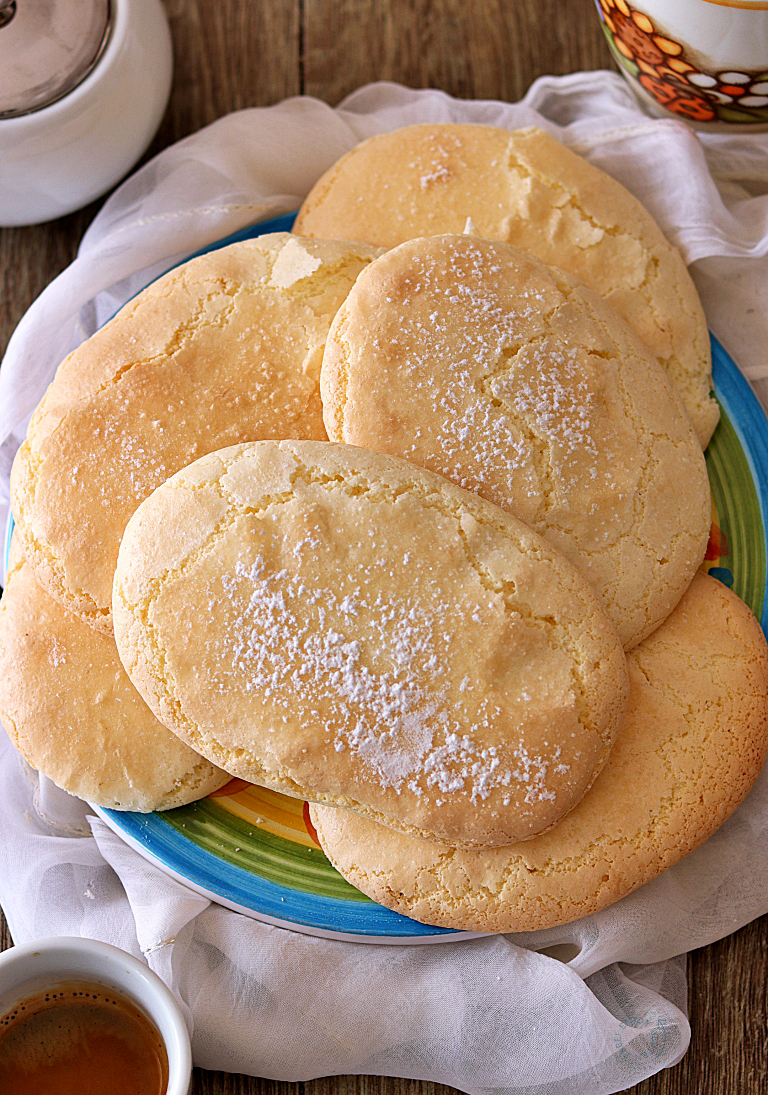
{"points": [[403, 514]]}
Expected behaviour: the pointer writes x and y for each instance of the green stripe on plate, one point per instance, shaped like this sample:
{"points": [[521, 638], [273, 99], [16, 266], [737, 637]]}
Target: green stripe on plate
{"points": [[226, 836], [738, 510]]}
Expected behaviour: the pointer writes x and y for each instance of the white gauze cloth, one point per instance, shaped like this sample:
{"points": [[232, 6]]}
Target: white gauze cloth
{"points": [[587, 1009]]}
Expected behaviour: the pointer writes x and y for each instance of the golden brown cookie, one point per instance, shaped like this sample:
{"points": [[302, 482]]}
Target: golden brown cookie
{"points": [[473, 359], [225, 348], [692, 744], [70, 709], [344, 626], [526, 188]]}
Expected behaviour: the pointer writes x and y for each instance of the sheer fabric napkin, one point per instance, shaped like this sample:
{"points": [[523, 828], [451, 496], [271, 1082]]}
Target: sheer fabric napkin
{"points": [[590, 1008]]}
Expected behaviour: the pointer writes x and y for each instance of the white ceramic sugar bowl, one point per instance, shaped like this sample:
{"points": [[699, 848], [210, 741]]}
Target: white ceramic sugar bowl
{"points": [[83, 86]]}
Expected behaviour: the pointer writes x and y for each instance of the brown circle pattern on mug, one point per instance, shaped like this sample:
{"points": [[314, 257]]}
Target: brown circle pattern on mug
{"points": [[664, 70]]}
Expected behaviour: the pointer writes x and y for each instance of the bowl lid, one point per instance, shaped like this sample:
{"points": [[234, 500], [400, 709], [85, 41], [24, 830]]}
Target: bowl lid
{"points": [[48, 47]]}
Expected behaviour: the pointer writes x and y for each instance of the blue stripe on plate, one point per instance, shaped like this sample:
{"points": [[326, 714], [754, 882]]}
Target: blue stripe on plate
{"points": [[751, 427], [170, 848]]}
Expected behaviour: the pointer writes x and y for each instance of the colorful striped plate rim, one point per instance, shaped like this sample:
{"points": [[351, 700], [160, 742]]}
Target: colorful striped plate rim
{"points": [[254, 850]]}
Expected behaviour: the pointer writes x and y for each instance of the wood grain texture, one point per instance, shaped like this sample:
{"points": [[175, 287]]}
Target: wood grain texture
{"points": [[227, 56], [489, 49], [32, 257], [5, 935], [239, 53]]}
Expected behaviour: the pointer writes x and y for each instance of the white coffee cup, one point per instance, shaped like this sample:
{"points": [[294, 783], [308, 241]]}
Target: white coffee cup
{"points": [[27, 969], [702, 61]]}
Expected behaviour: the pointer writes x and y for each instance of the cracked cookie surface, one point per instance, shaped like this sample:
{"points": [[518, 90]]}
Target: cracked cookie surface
{"points": [[473, 359], [225, 348], [692, 744], [71, 711], [344, 626], [525, 188]]}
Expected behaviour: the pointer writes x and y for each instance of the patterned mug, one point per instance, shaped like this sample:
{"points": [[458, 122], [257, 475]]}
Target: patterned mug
{"points": [[705, 61]]}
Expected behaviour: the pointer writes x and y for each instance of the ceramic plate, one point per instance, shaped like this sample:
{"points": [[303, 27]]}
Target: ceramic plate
{"points": [[254, 850]]}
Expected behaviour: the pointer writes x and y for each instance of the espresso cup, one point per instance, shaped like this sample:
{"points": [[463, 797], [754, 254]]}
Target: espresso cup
{"points": [[28, 969], [702, 61]]}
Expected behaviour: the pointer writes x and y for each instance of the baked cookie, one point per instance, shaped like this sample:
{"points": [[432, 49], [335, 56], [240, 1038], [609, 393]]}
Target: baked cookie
{"points": [[372, 637], [476, 360], [71, 711], [225, 348], [691, 746], [526, 188]]}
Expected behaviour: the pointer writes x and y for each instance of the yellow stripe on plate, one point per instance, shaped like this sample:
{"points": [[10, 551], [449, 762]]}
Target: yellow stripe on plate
{"points": [[266, 809]]}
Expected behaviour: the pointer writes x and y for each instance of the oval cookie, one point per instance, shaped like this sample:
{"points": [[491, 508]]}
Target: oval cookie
{"points": [[473, 359], [346, 627], [225, 348], [71, 711], [692, 744], [526, 188]]}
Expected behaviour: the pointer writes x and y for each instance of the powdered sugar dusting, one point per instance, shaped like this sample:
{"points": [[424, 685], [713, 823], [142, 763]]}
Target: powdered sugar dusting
{"points": [[547, 385], [484, 383], [372, 671], [501, 390], [438, 173], [533, 771], [58, 654], [282, 645], [136, 462]]}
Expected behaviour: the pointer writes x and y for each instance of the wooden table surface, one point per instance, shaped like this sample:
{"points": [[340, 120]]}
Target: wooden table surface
{"points": [[241, 53]]}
